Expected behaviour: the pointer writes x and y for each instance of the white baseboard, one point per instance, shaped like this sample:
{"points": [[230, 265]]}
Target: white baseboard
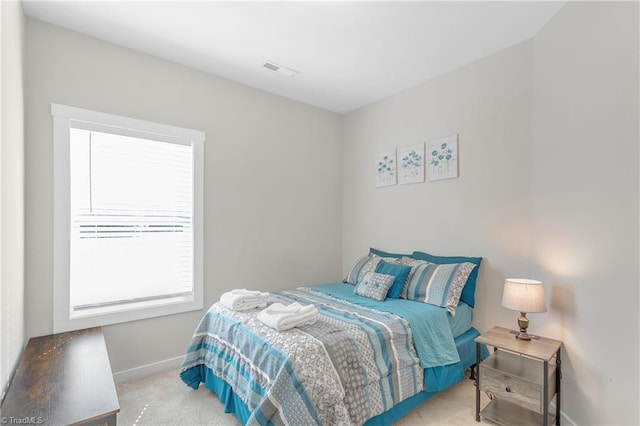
{"points": [[565, 420], [147, 370]]}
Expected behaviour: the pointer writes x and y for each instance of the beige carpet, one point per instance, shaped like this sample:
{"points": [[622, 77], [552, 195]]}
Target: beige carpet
{"points": [[163, 399]]}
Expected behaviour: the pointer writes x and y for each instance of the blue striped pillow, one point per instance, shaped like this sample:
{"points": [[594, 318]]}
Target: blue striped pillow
{"points": [[469, 290], [439, 285], [362, 265]]}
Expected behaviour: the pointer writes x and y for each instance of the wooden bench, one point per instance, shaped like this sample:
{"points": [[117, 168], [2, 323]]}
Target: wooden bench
{"points": [[63, 379]]}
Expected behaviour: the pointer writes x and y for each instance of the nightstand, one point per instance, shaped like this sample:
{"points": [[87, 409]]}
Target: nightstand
{"points": [[521, 377]]}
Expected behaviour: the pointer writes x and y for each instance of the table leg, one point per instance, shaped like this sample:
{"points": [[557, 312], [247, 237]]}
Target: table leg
{"points": [[477, 382], [558, 393]]}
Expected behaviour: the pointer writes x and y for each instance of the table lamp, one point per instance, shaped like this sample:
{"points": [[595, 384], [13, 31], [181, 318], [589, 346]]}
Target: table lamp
{"points": [[525, 296]]}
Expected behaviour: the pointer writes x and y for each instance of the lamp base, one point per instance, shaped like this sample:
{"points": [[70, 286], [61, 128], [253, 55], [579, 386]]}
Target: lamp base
{"points": [[523, 323], [531, 336], [523, 335]]}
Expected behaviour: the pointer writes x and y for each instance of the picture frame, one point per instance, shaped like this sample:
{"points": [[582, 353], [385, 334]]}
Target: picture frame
{"points": [[442, 158], [411, 164], [386, 168]]}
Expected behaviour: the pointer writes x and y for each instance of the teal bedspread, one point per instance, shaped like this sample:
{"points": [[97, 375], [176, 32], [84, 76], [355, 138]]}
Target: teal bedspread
{"points": [[352, 364], [361, 359], [432, 335]]}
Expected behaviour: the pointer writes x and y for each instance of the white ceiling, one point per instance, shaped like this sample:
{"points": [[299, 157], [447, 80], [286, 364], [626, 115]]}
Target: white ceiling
{"points": [[348, 54]]}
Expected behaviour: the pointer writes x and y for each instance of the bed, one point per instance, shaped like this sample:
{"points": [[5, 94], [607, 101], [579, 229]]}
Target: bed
{"points": [[364, 361]]}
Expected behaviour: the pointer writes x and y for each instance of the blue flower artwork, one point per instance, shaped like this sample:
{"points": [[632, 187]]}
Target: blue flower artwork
{"points": [[443, 158], [386, 168], [411, 164]]}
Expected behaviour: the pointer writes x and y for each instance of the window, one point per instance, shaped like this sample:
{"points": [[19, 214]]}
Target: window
{"points": [[127, 219]]}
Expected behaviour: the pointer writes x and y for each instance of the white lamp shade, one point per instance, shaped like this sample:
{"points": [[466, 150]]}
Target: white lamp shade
{"points": [[524, 295]]}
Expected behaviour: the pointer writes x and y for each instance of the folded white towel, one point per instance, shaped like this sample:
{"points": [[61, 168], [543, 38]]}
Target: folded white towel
{"points": [[283, 317], [245, 292], [243, 299], [293, 308], [287, 323]]}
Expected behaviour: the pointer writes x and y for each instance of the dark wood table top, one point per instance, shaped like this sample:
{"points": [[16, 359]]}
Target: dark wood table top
{"points": [[65, 379]]}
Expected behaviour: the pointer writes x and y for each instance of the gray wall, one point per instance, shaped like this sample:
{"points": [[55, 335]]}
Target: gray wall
{"points": [[585, 203], [548, 189], [12, 307], [486, 211], [273, 177]]}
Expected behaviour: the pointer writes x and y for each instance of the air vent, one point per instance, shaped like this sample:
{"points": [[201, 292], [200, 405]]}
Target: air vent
{"points": [[280, 69], [272, 67]]}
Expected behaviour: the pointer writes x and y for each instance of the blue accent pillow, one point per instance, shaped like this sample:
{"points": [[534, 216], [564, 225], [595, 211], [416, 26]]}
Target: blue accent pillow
{"points": [[386, 254], [400, 272], [469, 291]]}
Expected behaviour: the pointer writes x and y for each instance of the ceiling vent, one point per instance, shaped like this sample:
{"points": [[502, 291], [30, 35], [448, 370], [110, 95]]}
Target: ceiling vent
{"points": [[280, 69]]}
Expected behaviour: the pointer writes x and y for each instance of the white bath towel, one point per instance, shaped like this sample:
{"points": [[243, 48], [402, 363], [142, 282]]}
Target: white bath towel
{"points": [[243, 299], [284, 317]]}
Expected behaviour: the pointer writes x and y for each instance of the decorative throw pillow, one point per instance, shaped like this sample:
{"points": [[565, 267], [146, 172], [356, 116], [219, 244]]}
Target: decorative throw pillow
{"points": [[469, 290], [362, 265], [400, 272], [439, 285], [374, 285], [413, 263]]}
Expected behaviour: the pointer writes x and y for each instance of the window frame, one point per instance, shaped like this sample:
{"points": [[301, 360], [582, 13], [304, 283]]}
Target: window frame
{"points": [[66, 117]]}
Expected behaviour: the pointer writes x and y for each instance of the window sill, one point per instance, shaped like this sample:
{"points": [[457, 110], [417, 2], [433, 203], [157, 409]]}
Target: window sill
{"points": [[125, 313]]}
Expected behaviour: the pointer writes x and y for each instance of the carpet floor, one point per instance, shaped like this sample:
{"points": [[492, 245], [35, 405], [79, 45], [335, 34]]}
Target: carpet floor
{"points": [[163, 399]]}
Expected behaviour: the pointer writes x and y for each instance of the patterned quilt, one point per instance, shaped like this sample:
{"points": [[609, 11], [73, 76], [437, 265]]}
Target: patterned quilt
{"points": [[352, 364]]}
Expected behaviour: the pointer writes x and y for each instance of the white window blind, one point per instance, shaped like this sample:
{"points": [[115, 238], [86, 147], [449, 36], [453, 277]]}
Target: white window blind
{"points": [[131, 219], [128, 219]]}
